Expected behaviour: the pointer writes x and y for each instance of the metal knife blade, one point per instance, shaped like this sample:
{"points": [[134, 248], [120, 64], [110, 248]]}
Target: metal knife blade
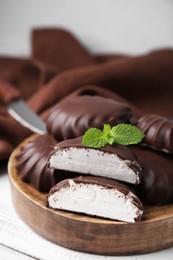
{"points": [[18, 108]]}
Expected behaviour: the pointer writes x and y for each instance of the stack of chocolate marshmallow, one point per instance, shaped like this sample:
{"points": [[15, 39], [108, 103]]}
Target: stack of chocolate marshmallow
{"points": [[111, 182]]}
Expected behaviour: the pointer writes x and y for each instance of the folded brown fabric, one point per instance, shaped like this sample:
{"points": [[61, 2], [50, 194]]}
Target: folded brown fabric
{"points": [[142, 80], [59, 65], [59, 48]]}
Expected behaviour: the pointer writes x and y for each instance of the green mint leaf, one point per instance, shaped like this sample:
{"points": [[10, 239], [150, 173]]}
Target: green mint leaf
{"points": [[127, 134], [107, 134], [124, 134], [95, 138], [106, 129]]}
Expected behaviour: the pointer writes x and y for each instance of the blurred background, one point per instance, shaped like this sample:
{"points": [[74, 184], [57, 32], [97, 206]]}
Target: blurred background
{"points": [[122, 26]]}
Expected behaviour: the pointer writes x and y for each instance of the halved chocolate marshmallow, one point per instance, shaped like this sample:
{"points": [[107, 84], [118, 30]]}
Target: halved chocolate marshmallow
{"points": [[32, 164], [101, 197], [111, 161]]}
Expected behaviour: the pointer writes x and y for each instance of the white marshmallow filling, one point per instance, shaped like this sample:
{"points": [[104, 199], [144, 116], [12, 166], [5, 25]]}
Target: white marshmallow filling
{"points": [[96, 200], [94, 162]]}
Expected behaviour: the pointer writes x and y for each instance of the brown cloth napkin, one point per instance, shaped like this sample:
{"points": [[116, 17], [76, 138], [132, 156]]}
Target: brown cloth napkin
{"points": [[59, 65]]}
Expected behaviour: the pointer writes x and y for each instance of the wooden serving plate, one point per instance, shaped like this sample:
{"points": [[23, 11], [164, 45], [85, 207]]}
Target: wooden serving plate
{"points": [[90, 234]]}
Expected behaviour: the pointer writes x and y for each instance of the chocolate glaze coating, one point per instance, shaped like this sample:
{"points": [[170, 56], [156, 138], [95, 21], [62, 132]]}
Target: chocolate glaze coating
{"points": [[156, 186], [32, 164], [70, 118], [121, 151], [158, 132]]}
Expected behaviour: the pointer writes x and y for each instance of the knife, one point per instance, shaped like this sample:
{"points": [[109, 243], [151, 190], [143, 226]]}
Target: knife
{"points": [[18, 108]]}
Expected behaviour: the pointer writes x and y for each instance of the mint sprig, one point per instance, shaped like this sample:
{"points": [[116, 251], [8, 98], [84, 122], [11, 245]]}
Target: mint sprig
{"points": [[124, 134]]}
